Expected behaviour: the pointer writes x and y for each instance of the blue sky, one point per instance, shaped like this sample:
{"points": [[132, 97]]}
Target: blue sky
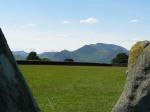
{"points": [[54, 25]]}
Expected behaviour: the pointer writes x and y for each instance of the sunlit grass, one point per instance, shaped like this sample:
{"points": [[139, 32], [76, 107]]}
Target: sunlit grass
{"points": [[75, 88]]}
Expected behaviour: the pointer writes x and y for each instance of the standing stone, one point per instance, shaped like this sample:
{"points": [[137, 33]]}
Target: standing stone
{"points": [[15, 95], [136, 94]]}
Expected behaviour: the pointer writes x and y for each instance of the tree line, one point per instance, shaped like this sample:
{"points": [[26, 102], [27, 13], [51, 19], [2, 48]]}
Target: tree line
{"points": [[33, 56], [120, 59]]}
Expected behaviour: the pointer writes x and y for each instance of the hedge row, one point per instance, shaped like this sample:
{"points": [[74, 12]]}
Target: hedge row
{"points": [[64, 63]]}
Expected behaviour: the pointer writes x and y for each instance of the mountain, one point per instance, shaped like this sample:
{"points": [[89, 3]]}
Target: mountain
{"points": [[105, 52], [100, 53], [47, 54], [61, 56], [20, 55]]}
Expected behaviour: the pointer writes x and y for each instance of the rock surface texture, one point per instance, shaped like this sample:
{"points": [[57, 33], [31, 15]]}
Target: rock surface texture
{"points": [[136, 93], [15, 95]]}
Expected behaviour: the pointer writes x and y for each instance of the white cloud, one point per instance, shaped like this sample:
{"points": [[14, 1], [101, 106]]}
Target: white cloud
{"points": [[90, 20], [66, 22], [134, 21], [22, 26], [31, 25]]}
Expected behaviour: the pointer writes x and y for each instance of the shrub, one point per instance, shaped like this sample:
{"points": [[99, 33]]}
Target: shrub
{"points": [[69, 60], [120, 59], [32, 56]]}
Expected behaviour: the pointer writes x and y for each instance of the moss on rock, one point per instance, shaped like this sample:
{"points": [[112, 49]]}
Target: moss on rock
{"points": [[136, 50]]}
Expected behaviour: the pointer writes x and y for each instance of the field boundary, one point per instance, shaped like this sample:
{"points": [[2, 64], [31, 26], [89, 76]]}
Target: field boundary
{"points": [[24, 62]]}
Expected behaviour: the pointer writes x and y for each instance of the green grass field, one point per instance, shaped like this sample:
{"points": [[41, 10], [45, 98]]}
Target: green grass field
{"points": [[75, 88]]}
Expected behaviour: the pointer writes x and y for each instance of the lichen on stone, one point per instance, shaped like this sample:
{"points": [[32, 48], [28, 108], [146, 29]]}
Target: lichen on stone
{"points": [[136, 50]]}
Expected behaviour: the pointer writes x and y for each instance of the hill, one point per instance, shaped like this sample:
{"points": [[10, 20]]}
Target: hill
{"points": [[20, 55], [100, 53]]}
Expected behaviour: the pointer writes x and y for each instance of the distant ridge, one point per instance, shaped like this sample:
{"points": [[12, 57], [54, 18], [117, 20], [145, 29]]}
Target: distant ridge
{"points": [[20, 55], [99, 53]]}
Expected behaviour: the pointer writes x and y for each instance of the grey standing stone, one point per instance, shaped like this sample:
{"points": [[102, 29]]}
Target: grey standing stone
{"points": [[136, 93], [15, 95]]}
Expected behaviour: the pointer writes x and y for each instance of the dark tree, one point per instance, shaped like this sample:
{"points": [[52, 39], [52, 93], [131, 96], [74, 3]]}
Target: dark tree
{"points": [[33, 56], [69, 60], [120, 59]]}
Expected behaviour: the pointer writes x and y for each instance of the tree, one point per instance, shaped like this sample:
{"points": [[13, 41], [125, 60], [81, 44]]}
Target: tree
{"points": [[33, 56], [45, 59], [69, 60], [120, 59]]}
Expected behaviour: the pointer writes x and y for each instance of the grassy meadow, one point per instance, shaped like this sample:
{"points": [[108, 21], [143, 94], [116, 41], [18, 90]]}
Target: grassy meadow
{"points": [[74, 88]]}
